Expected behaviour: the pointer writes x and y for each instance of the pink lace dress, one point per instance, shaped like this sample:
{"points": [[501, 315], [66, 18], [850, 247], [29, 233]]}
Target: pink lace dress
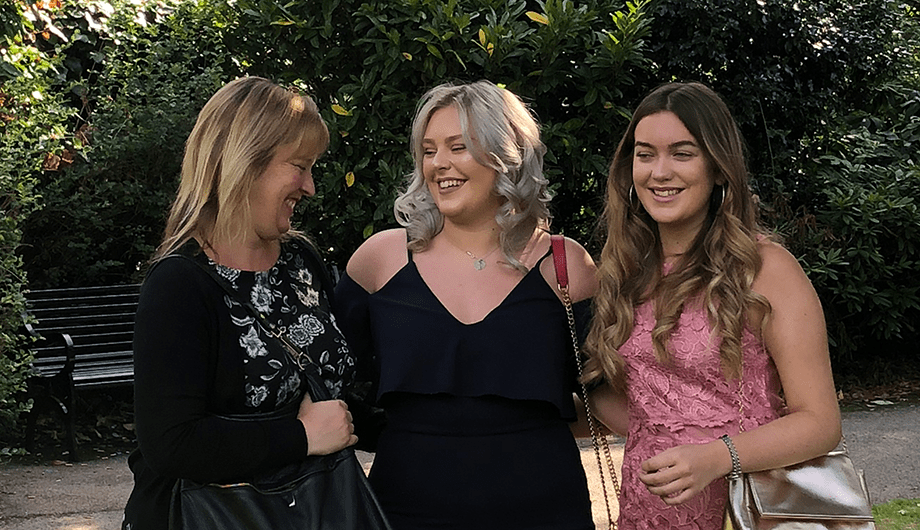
{"points": [[685, 401]]}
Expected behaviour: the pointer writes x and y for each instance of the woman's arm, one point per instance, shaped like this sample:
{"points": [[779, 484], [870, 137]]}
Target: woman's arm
{"points": [[378, 259], [611, 408], [796, 339]]}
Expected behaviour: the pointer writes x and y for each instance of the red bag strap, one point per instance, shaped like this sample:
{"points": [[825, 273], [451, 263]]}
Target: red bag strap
{"points": [[562, 274]]}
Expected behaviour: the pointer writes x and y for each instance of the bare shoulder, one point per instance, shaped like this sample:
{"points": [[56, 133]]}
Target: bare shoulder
{"points": [[581, 270], [780, 274], [378, 259]]}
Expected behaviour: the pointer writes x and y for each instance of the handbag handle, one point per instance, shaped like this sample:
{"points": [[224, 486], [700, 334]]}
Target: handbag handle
{"points": [[562, 281]]}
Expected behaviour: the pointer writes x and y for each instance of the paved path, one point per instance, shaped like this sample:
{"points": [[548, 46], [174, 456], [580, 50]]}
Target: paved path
{"points": [[91, 495]]}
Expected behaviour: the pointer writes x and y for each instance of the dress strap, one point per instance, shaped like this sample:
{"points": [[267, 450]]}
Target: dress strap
{"points": [[548, 253]]}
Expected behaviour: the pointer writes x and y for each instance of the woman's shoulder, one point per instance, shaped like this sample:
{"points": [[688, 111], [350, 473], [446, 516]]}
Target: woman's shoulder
{"points": [[775, 257], [378, 259], [780, 271], [582, 272]]}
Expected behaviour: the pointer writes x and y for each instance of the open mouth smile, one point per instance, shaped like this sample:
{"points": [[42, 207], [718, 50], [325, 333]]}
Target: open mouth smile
{"points": [[670, 192], [448, 184]]}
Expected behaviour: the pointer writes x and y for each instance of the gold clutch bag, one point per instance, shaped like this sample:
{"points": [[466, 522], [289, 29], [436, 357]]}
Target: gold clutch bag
{"points": [[827, 492]]}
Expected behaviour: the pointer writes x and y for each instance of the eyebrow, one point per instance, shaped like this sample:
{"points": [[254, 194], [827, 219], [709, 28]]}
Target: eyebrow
{"points": [[682, 143], [446, 140]]}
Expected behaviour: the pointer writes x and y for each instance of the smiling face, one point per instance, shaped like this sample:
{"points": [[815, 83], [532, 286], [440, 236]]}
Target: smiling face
{"points": [[286, 179], [462, 188], [672, 176]]}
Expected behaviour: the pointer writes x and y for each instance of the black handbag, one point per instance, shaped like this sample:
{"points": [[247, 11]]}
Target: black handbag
{"points": [[328, 492]]}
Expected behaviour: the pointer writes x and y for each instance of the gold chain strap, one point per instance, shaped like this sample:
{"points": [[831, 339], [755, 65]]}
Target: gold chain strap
{"points": [[592, 422]]}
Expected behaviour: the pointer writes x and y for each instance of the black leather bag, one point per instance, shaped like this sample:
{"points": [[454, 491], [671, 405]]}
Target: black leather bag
{"points": [[322, 493], [328, 492]]}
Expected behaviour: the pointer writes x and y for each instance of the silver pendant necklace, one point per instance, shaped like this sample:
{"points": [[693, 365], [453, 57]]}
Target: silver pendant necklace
{"points": [[480, 263]]}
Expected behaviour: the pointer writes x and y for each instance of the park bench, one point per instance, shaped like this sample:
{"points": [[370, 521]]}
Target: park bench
{"points": [[83, 340]]}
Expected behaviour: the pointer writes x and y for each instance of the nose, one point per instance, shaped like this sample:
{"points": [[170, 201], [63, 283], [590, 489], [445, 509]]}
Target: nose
{"points": [[441, 160], [307, 186], [661, 168]]}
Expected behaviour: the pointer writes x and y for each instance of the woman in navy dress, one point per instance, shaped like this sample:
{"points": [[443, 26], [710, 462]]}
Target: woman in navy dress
{"points": [[461, 319]]}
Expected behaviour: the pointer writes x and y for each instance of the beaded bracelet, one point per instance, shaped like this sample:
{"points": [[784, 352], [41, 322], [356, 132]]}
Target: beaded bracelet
{"points": [[736, 462]]}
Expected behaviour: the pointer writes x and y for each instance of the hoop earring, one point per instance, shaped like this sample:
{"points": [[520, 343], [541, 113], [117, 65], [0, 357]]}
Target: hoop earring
{"points": [[631, 194], [718, 206]]}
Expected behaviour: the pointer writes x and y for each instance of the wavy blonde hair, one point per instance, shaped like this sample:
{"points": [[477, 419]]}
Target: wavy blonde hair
{"points": [[238, 132], [720, 264], [502, 134]]}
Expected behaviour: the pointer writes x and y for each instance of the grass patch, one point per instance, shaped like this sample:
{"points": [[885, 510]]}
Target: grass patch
{"points": [[899, 514]]}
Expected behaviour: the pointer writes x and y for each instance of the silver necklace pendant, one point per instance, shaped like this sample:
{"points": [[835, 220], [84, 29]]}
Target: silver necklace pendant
{"points": [[479, 264]]}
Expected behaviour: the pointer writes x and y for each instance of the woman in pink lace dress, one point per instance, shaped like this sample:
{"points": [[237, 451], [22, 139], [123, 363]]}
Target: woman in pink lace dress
{"points": [[700, 320]]}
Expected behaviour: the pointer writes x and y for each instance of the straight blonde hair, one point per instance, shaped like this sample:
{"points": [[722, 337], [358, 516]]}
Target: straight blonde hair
{"points": [[238, 132]]}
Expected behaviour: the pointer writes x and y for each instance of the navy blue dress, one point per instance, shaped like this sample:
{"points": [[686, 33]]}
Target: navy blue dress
{"points": [[477, 434]]}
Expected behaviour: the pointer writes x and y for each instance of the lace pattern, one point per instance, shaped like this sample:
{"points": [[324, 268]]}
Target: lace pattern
{"points": [[687, 400]]}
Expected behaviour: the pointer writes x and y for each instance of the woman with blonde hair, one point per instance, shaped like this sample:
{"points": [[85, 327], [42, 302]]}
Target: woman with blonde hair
{"points": [[707, 335], [202, 362], [460, 314]]}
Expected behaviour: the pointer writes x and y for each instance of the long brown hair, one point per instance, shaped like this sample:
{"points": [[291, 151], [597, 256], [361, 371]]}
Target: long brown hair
{"points": [[720, 264]]}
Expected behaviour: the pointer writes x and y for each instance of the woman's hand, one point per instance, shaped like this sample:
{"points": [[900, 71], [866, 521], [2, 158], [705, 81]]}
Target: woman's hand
{"points": [[328, 425], [679, 473]]}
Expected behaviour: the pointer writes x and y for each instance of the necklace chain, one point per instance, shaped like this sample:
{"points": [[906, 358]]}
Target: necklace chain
{"points": [[480, 263]]}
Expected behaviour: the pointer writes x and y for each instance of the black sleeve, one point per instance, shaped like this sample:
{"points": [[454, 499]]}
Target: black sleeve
{"points": [[182, 367], [352, 314]]}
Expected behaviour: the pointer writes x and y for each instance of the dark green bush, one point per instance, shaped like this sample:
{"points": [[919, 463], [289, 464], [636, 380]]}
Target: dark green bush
{"points": [[861, 244], [824, 92], [104, 214], [34, 134], [372, 60]]}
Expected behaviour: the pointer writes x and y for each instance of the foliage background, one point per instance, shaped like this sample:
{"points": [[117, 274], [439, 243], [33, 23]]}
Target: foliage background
{"points": [[98, 98]]}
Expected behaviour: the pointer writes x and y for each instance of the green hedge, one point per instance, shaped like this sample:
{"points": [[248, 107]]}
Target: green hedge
{"points": [[103, 215], [372, 60], [35, 133], [824, 91]]}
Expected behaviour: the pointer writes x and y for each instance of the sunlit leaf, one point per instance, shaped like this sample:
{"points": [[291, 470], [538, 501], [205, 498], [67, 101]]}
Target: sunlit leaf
{"points": [[537, 17], [407, 55], [340, 110], [350, 179]]}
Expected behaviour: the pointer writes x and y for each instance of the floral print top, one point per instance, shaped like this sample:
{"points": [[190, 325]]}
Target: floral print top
{"points": [[290, 296]]}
